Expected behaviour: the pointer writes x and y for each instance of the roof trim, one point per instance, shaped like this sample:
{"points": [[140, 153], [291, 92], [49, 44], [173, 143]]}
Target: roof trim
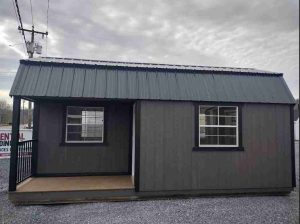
{"points": [[65, 99], [144, 66]]}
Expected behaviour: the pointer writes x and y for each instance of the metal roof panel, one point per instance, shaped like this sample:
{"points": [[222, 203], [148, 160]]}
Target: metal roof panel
{"points": [[66, 82], [16, 83], [153, 85], [89, 83], [143, 85], [31, 80], [112, 84], [132, 84], [122, 85], [20, 87], [54, 81], [100, 84], [43, 81]]}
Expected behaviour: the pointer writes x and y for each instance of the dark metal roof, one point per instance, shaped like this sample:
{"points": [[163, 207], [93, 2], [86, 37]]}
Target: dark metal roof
{"points": [[84, 62], [75, 78]]}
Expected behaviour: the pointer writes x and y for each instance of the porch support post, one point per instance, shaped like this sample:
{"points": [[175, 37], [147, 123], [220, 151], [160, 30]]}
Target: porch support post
{"points": [[14, 144], [35, 132], [137, 145]]}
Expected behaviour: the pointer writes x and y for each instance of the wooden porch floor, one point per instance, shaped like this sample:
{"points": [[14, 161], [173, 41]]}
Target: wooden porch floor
{"points": [[80, 183]]}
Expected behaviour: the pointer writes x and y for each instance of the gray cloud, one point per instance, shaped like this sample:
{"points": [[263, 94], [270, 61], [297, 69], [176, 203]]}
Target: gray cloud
{"points": [[260, 34]]}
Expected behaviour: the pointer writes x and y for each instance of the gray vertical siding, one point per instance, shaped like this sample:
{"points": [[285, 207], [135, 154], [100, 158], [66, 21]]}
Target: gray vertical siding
{"points": [[168, 162], [54, 158]]}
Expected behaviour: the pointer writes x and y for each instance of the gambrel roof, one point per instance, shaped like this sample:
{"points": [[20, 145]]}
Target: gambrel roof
{"points": [[76, 78]]}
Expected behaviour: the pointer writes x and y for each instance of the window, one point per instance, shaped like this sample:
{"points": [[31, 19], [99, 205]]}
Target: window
{"points": [[218, 126], [84, 124]]}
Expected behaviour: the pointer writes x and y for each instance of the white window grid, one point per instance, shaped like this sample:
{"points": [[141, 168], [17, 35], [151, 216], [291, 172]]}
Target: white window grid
{"points": [[80, 116], [220, 126]]}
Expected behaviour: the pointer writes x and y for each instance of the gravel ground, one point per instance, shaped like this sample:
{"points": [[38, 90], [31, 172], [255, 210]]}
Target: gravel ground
{"points": [[267, 209]]}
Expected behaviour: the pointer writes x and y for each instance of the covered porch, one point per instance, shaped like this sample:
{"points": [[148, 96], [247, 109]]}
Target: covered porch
{"points": [[43, 172]]}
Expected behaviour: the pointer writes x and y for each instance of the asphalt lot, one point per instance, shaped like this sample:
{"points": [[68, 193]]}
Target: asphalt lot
{"points": [[266, 209]]}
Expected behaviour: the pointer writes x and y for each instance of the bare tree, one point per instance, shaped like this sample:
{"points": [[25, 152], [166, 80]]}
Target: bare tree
{"points": [[5, 112]]}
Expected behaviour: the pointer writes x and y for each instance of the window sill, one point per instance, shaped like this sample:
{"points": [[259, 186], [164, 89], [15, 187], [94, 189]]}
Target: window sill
{"points": [[218, 149], [83, 144]]}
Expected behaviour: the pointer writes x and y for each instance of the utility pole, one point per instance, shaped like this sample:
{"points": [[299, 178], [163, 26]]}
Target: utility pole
{"points": [[31, 48], [30, 44]]}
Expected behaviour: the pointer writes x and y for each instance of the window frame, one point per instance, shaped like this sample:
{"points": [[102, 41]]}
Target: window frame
{"points": [[237, 147], [65, 131]]}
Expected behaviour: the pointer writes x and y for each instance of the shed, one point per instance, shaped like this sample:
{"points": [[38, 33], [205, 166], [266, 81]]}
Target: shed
{"points": [[111, 130]]}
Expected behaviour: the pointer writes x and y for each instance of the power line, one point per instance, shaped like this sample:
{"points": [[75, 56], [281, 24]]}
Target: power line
{"points": [[48, 13], [19, 15], [20, 20], [15, 11], [31, 13], [47, 27]]}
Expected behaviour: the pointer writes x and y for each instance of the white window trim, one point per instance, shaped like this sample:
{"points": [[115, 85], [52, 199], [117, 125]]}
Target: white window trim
{"points": [[222, 126], [81, 142]]}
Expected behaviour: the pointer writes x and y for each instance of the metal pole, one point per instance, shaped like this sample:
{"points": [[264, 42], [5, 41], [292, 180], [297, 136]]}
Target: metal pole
{"points": [[32, 43], [30, 56]]}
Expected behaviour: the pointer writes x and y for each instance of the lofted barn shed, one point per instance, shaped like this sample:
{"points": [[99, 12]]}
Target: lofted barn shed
{"points": [[111, 130]]}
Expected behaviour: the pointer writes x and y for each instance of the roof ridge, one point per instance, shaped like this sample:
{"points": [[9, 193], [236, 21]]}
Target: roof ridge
{"points": [[149, 65], [142, 63]]}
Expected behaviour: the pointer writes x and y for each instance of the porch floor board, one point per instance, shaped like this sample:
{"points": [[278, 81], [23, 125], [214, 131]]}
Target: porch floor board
{"points": [[80, 183]]}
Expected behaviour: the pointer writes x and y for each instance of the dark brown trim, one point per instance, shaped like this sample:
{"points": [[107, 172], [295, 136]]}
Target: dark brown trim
{"points": [[106, 100], [84, 104], [63, 134], [82, 174], [35, 135], [130, 139], [14, 144], [240, 128], [196, 118], [83, 144], [292, 129], [137, 145]]}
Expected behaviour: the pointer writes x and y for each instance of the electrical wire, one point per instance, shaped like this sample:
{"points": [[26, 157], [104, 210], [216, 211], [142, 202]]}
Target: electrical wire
{"points": [[15, 10], [20, 20], [19, 15]]}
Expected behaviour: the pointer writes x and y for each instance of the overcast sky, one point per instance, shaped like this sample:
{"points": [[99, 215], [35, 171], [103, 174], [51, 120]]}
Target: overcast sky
{"points": [[236, 33]]}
